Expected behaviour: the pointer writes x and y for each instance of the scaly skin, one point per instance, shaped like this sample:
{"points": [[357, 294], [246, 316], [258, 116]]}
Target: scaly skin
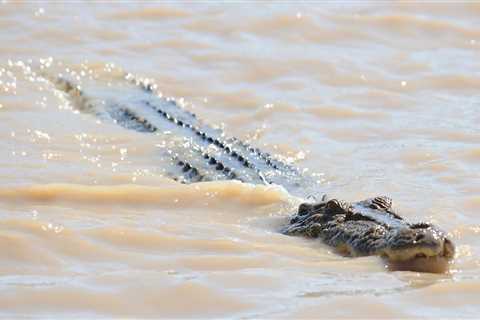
{"points": [[370, 227]]}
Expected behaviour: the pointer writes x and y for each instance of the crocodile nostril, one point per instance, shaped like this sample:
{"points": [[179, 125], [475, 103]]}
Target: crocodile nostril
{"points": [[419, 237]]}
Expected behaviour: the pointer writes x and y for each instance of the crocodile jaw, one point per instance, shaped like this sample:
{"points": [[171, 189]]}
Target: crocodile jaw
{"points": [[434, 259]]}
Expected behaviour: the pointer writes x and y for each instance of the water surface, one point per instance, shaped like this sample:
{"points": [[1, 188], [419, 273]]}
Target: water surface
{"points": [[375, 98]]}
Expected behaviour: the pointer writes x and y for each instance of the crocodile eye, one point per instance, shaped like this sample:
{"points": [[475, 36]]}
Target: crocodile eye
{"points": [[335, 206], [304, 209], [420, 225]]}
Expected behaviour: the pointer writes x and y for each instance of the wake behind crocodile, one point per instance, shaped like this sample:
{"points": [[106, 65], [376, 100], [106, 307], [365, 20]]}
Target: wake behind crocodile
{"points": [[198, 152]]}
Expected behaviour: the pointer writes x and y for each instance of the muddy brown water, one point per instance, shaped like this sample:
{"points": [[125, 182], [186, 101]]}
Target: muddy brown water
{"points": [[375, 98]]}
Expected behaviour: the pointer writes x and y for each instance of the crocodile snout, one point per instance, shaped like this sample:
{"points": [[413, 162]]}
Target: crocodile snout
{"points": [[419, 241]]}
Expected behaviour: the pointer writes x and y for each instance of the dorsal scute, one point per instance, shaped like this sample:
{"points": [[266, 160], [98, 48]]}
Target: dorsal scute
{"points": [[380, 203]]}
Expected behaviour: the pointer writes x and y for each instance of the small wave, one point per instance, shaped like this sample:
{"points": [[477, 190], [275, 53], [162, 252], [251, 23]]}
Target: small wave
{"points": [[150, 14], [408, 24], [473, 203], [334, 112], [448, 82], [181, 195], [472, 155]]}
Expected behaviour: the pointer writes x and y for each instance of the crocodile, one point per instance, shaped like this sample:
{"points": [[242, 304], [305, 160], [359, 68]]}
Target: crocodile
{"points": [[204, 153], [372, 227]]}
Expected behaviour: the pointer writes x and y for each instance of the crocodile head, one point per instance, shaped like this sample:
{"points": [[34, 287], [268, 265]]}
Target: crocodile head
{"points": [[372, 227]]}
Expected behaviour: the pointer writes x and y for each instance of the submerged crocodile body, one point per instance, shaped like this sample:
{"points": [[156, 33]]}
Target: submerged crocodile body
{"points": [[368, 227], [209, 156]]}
